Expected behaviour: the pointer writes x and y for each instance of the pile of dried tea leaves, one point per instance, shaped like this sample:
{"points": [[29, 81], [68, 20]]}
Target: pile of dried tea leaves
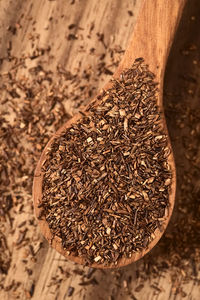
{"points": [[107, 178]]}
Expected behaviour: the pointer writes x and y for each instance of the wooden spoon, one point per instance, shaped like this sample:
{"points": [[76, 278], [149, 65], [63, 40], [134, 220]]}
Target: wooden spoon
{"points": [[151, 39]]}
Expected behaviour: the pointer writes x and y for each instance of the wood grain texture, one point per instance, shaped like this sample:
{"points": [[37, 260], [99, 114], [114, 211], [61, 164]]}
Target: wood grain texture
{"points": [[153, 34], [110, 17]]}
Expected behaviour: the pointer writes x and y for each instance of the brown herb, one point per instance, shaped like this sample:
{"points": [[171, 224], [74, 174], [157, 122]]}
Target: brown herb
{"points": [[139, 288], [70, 291], [107, 178]]}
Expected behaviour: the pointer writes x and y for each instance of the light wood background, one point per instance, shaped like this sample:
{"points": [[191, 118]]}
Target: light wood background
{"points": [[43, 24]]}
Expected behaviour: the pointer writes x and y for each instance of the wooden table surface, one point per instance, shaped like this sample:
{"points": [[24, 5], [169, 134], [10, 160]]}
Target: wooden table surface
{"points": [[101, 31]]}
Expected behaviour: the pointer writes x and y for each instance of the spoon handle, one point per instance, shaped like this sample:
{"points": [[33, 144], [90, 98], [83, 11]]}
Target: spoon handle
{"points": [[153, 35]]}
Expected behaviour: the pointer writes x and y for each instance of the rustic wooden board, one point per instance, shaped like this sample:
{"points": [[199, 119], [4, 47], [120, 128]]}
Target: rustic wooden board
{"points": [[43, 24]]}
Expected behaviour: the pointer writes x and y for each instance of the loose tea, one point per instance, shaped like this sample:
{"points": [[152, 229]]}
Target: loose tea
{"points": [[107, 178]]}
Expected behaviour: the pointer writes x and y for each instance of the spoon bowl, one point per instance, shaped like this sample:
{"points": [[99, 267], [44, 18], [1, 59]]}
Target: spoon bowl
{"points": [[151, 39]]}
